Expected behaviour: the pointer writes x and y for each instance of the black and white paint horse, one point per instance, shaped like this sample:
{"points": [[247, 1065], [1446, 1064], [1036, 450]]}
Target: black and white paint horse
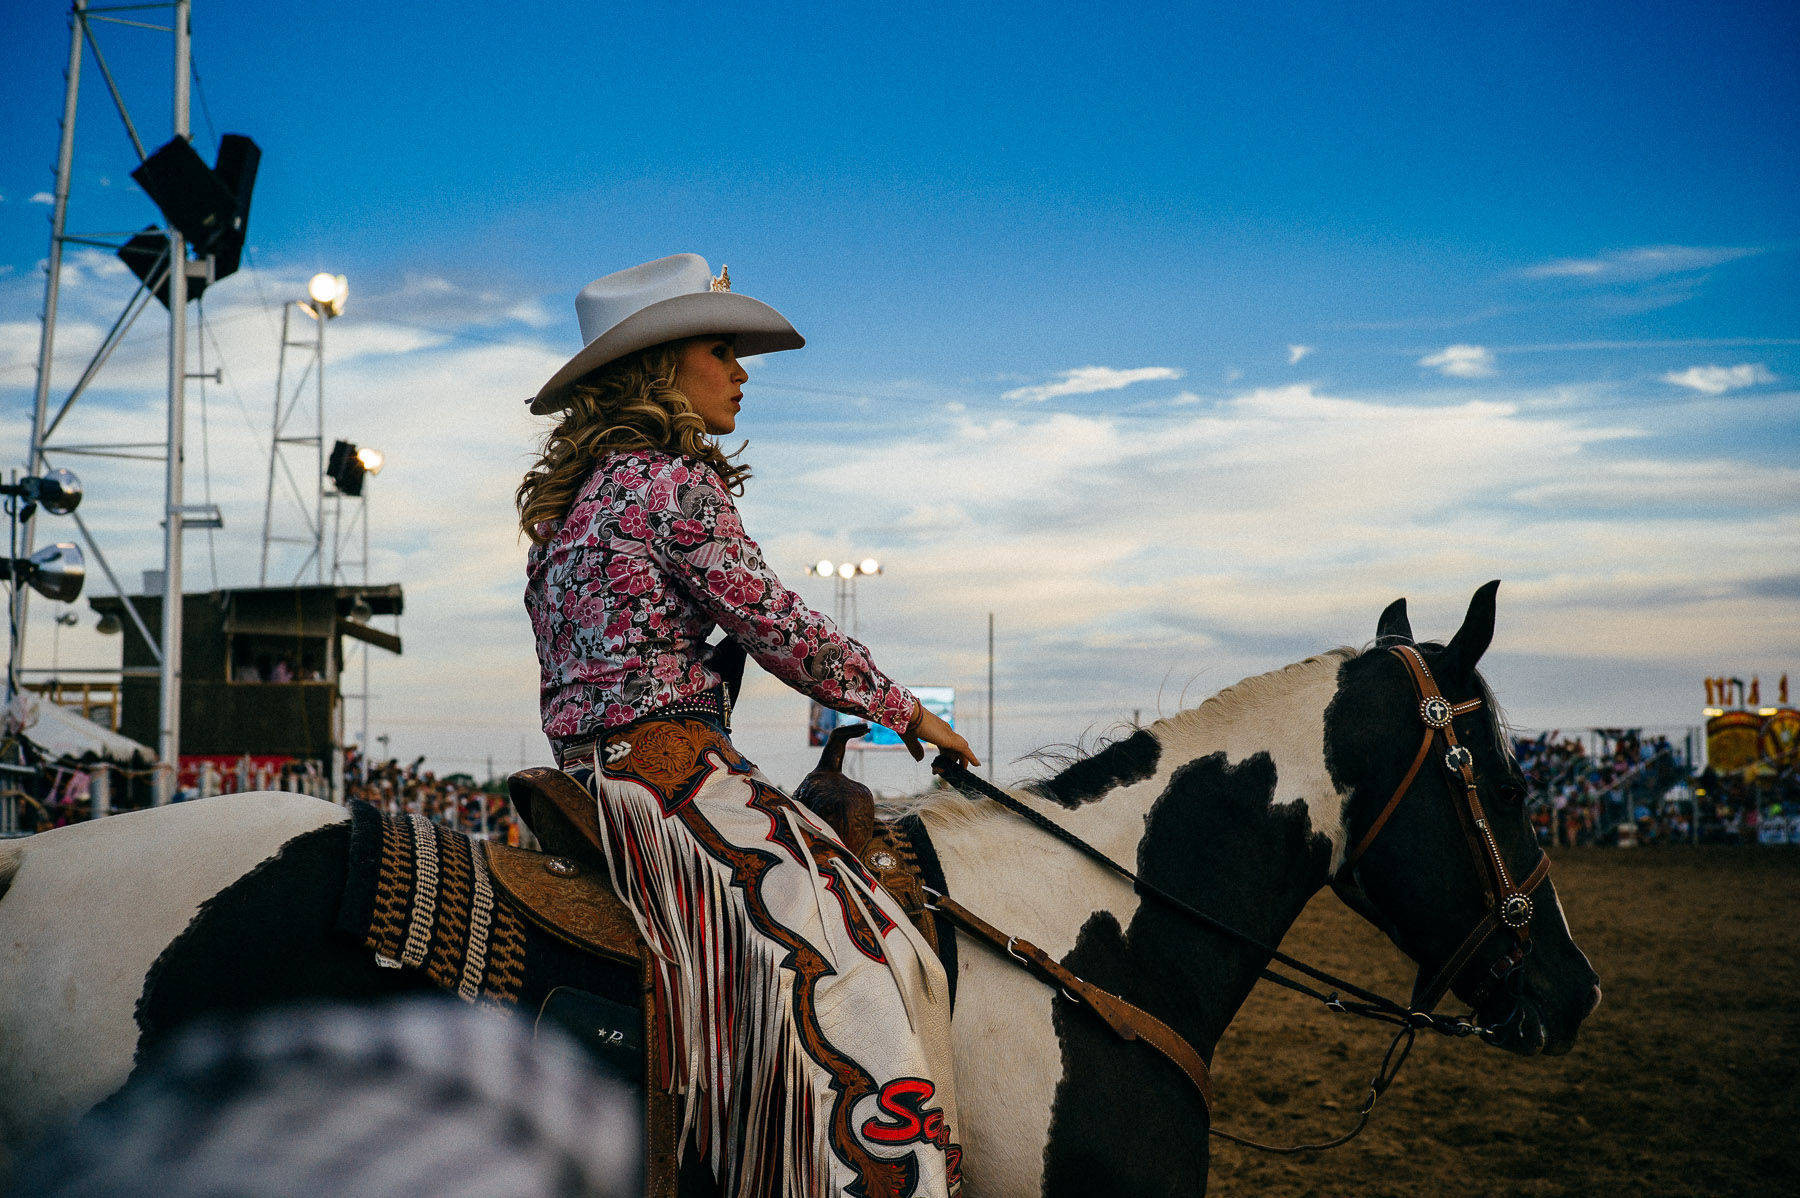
{"points": [[113, 932]]}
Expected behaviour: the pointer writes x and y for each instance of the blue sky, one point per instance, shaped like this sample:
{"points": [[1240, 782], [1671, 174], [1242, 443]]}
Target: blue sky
{"points": [[1181, 340]]}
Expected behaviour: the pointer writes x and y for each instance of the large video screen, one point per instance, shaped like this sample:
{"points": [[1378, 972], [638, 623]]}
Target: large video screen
{"points": [[939, 700]]}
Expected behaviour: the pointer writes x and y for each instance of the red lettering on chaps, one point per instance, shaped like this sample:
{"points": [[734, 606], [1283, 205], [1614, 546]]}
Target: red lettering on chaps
{"points": [[905, 1119]]}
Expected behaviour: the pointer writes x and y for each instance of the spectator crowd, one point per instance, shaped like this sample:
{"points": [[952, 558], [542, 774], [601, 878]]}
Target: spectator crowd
{"points": [[1643, 790], [1616, 786], [455, 800]]}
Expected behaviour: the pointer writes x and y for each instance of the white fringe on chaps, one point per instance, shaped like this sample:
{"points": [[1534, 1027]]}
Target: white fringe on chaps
{"points": [[808, 1021]]}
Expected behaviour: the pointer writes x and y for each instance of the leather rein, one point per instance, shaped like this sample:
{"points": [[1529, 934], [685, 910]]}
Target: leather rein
{"points": [[1510, 909]]}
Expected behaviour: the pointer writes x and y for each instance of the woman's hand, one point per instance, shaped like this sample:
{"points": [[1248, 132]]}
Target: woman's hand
{"points": [[927, 726]]}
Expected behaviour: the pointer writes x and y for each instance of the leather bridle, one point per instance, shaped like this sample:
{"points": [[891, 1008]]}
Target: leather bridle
{"points": [[1510, 906]]}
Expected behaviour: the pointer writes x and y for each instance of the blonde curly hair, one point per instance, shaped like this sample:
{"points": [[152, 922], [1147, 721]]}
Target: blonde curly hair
{"points": [[626, 405]]}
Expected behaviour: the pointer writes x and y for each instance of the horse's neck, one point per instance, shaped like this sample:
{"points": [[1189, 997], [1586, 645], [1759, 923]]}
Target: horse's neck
{"points": [[1229, 807]]}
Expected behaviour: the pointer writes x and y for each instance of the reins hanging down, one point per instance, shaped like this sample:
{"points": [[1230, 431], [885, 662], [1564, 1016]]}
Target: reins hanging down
{"points": [[1369, 1004]]}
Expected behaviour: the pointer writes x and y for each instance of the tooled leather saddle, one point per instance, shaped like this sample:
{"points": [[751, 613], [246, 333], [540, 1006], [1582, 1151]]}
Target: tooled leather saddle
{"points": [[560, 812], [564, 891]]}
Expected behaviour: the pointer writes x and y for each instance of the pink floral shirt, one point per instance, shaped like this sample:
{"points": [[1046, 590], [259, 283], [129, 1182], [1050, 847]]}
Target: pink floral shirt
{"points": [[652, 556]]}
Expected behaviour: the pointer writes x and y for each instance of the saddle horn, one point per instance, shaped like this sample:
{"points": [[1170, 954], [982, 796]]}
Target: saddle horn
{"points": [[843, 802], [831, 759]]}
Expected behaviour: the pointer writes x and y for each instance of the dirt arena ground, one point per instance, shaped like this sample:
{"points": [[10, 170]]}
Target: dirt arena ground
{"points": [[1686, 1081]]}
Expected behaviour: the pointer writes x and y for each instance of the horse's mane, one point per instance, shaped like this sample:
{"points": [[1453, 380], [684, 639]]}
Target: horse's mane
{"points": [[1193, 723], [1241, 697]]}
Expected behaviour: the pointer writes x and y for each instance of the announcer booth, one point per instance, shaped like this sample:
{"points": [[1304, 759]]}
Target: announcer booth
{"points": [[262, 705]]}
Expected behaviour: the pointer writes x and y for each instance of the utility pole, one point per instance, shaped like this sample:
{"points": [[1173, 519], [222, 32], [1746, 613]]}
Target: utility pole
{"points": [[990, 699]]}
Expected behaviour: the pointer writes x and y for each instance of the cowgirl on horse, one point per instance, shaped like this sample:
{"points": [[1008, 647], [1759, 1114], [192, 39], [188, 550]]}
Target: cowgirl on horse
{"points": [[808, 1022]]}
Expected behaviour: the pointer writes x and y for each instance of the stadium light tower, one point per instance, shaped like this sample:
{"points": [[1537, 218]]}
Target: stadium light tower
{"points": [[325, 296], [844, 576]]}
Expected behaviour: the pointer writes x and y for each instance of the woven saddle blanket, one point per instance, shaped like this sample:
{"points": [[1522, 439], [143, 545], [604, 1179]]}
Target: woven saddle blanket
{"points": [[427, 899]]}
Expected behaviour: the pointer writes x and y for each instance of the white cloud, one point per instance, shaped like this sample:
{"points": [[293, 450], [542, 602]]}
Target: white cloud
{"points": [[1122, 555], [1085, 380], [1696, 485], [375, 339], [42, 197], [1125, 559], [1716, 380], [531, 312], [95, 264], [443, 304], [1636, 265], [1296, 352], [1461, 361]]}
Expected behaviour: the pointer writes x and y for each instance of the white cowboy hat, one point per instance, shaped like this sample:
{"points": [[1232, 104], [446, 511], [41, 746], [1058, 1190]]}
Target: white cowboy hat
{"points": [[660, 301]]}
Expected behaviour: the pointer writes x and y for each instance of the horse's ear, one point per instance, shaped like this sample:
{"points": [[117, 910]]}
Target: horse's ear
{"points": [[1393, 623], [1475, 635]]}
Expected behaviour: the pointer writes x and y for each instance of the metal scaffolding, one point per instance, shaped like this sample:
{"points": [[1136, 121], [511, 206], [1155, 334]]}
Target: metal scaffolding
{"points": [[288, 414], [83, 19]]}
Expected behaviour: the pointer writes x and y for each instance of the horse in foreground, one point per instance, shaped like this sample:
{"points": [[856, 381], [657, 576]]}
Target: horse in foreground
{"points": [[114, 932]]}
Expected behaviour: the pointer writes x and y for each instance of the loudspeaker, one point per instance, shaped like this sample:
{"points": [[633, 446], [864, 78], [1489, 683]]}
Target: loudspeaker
{"points": [[190, 195], [147, 255], [236, 169]]}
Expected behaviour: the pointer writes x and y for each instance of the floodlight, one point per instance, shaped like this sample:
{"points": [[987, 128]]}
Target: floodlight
{"points": [[360, 611], [371, 459], [109, 625], [345, 468], [55, 571], [822, 567], [58, 490], [328, 292], [869, 566], [67, 619], [846, 570]]}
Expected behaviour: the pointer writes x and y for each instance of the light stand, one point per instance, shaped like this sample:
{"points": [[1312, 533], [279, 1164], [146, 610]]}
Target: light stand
{"points": [[57, 571], [325, 296], [843, 576], [349, 469]]}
